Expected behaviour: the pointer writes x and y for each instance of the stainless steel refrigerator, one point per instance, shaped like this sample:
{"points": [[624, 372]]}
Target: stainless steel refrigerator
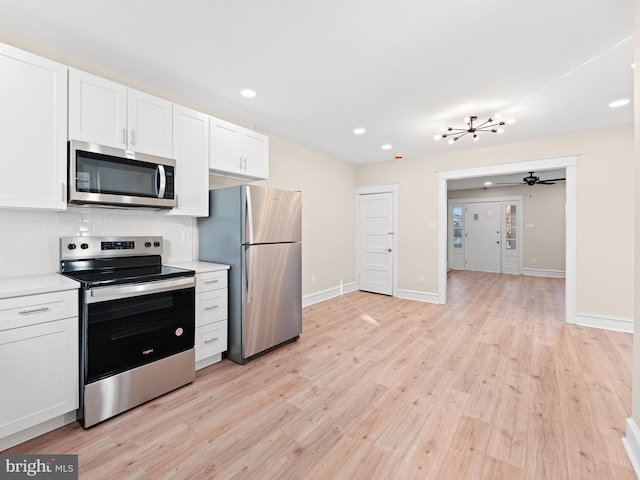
{"points": [[258, 232]]}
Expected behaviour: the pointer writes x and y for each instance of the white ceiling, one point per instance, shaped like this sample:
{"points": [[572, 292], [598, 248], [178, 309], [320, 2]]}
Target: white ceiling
{"points": [[501, 181], [401, 69]]}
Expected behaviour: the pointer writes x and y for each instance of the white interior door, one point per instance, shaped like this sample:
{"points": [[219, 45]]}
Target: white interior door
{"points": [[375, 214], [483, 235]]}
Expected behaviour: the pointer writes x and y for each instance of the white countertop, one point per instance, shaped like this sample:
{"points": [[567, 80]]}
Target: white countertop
{"points": [[200, 267], [35, 284]]}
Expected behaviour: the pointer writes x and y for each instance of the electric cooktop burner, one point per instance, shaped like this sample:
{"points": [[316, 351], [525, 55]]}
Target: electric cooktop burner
{"points": [[101, 261]]}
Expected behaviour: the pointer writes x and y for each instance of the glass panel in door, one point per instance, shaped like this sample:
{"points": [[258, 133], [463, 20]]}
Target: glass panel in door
{"points": [[511, 241]]}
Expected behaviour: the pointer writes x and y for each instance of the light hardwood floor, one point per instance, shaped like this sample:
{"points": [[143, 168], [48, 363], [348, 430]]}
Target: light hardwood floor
{"points": [[493, 385]]}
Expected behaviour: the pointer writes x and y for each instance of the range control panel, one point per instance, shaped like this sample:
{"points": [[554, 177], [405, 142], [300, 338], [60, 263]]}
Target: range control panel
{"points": [[73, 248]]}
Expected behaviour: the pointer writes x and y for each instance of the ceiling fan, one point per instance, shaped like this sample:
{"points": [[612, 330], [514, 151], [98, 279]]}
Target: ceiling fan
{"points": [[535, 180]]}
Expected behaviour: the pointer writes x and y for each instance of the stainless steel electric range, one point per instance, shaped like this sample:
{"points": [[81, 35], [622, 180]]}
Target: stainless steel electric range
{"points": [[137, 322]]}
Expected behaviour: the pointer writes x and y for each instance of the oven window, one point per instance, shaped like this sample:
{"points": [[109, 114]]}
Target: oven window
{"points": [[124, 334]]}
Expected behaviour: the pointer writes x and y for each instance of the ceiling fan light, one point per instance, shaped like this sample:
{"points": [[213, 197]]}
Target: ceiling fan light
{"points": [[439, 137], [500, 130], [451, 140], [475, 137]]}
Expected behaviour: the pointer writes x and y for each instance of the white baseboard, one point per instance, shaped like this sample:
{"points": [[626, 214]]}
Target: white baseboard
{"points": [[541, 272], [205, 362], [607, 322], [328, 293], [323, 295], [632, 445], [427, 297]]}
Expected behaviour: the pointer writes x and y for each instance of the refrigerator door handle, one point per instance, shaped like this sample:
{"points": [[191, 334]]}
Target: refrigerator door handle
{"points": [[247, 272], [249, 214]]}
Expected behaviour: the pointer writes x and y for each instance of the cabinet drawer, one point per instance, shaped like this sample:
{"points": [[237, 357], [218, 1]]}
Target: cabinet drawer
{"points": [[211, 339], [33, 309], [211, 307], [211, 281]]}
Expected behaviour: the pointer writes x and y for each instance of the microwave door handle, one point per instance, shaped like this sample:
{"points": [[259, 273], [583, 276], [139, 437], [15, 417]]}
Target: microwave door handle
{"points": [[161, 181]]}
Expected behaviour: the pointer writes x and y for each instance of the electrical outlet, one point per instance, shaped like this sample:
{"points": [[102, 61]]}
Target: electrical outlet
{"points": [[420, 278]]}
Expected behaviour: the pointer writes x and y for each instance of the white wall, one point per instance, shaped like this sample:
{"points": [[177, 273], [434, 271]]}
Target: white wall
{"points": [[604, 197], [29, 239]]}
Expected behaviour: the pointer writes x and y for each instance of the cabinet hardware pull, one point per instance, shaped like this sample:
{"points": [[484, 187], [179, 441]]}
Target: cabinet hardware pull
{"points": [[34, 310], [124, 136], [212, 307], [133, 138], [245, 163], [211, 281], [240, 163], [209, 340], [64, 191]]}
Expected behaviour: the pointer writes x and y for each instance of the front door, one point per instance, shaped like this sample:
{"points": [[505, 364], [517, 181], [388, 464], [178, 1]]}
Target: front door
{"points": [[483, 234], [375, 243]]}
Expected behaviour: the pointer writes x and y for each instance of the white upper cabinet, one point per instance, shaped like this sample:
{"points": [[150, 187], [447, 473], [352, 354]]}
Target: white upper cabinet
{"points": [[238, 152], [150, 121], [191, 151], [97, 110], [33, 143], [108, 113]]}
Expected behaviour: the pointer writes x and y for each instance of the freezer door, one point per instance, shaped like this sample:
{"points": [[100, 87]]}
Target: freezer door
{"points": [[272, 294], [272, 215]]}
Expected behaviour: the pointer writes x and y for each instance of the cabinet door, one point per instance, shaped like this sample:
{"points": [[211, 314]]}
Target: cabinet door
{"points": [[97, 110], [149, 120], [191, 151], [33, 117], [226, 147], [256, 155], [39, 376]]}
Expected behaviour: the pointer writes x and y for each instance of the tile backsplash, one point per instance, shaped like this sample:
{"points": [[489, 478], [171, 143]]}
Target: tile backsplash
{"points": [[29, 239]]}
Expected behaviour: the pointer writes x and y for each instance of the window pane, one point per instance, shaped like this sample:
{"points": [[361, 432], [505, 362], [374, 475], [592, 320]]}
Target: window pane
{"points": [[457, 227]]}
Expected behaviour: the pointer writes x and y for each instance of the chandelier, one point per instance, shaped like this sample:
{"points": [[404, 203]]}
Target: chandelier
{"points": [[472, 128]]}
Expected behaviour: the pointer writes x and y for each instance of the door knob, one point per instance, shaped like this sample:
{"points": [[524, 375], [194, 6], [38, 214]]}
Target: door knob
{"points": [[388, 249]]}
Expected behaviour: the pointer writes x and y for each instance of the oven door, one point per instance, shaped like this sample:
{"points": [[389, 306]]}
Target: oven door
{"points": [[127, 326]]}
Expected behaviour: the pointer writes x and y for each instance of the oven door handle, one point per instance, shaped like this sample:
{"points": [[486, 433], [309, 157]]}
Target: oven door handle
{"points": [[103, 294]]}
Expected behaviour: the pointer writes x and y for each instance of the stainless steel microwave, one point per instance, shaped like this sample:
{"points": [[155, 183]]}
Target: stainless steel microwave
{"points": [[111, 176]]}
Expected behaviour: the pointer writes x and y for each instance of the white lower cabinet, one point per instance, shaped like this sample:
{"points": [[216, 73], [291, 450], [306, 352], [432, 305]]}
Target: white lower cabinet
{"points": [[211, 317], [39, 358]]}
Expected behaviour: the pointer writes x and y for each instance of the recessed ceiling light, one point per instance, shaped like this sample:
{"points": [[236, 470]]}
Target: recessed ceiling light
{"points": [[386, 146], [248, 93], [486, 184], [358, 131], [633, 65], [619, 103]]}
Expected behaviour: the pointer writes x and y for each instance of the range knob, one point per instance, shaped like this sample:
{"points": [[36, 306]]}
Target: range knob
{"points": [[156, 244], [147, 244], [84, 246], [71, 246]]}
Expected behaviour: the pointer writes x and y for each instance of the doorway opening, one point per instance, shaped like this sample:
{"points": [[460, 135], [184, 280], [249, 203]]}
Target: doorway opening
{"points": [[569, 163]]}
